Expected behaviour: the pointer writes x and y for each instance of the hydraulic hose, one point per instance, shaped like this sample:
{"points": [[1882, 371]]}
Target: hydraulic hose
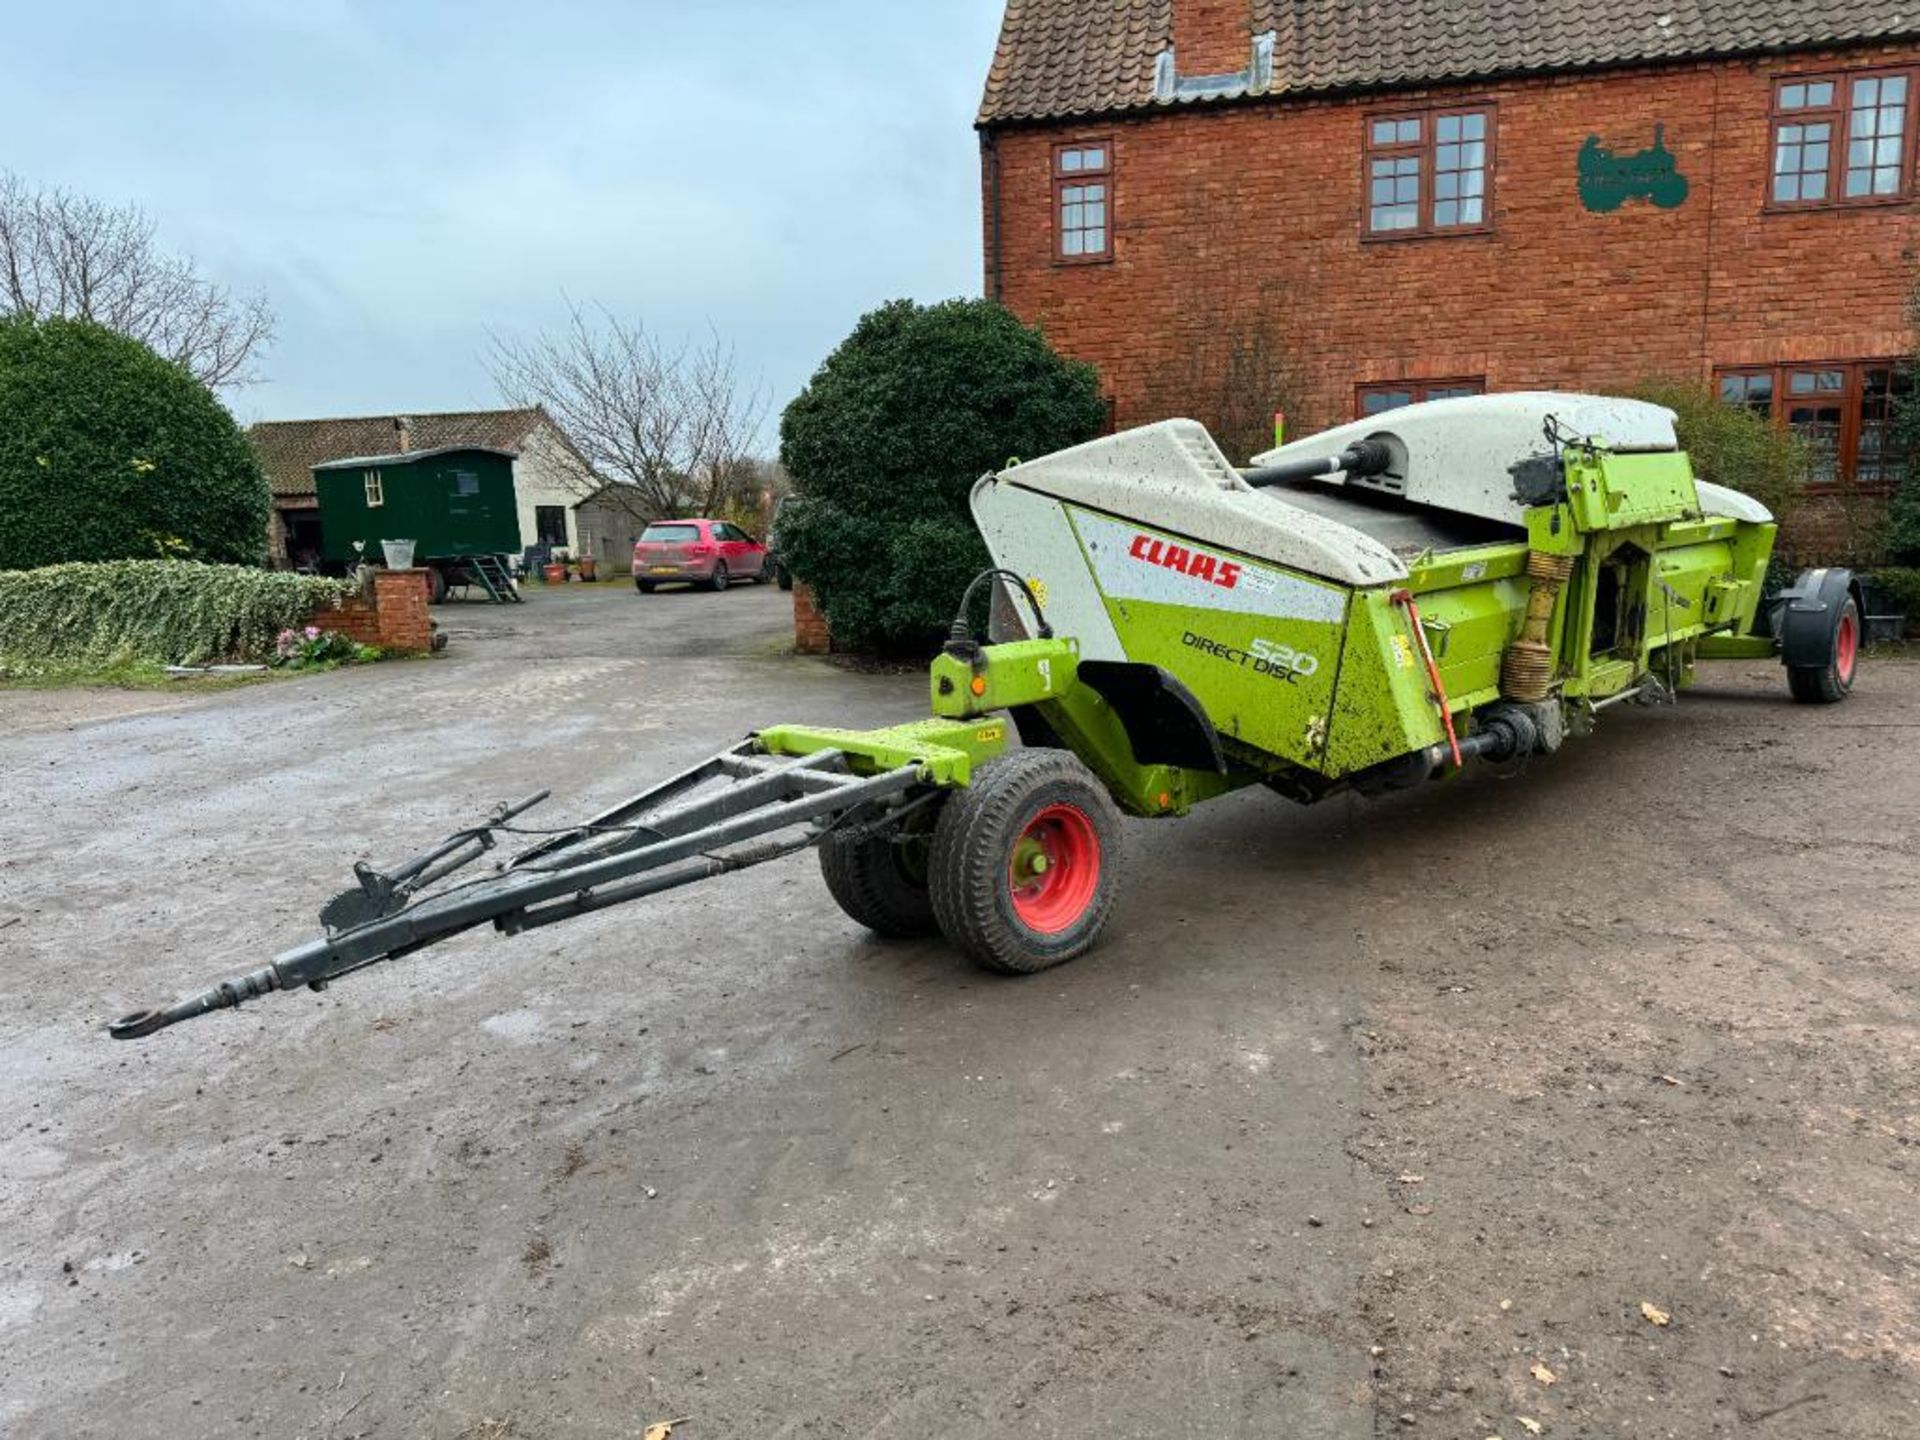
{"points": [[960, 641], [1404, 599]]}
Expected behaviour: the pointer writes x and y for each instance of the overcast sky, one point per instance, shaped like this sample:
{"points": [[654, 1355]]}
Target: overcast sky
{"points": [[401, 176]]}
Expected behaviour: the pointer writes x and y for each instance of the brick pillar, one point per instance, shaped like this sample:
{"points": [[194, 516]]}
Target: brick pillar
{"points": [[400, 601], [810, 635], [1212, 37], [392, 614]]}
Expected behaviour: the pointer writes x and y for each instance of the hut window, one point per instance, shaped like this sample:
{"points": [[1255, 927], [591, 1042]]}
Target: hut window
{"points": [[376, 489], [465, 482]]}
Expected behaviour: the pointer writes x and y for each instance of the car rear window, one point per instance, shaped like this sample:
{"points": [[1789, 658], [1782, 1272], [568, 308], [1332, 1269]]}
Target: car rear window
{"points": [[670, 534]]}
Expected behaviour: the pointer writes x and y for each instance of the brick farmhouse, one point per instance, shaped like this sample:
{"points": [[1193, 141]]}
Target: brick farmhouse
{"points": [[1232, 206]]}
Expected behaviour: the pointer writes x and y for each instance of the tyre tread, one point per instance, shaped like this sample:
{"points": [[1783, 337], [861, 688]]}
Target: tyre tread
{"points": [[863, 876], [1821, 684], [970, 845]]}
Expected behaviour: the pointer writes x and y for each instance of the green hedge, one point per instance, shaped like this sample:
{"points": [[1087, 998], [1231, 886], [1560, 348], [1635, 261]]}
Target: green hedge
{"points": [[108, 452], [165, 612], [1734, 447], [885, 443], [1901, 585]]}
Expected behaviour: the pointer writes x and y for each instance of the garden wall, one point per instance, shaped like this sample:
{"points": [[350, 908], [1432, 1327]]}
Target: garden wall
{"points": [[392, 614]]}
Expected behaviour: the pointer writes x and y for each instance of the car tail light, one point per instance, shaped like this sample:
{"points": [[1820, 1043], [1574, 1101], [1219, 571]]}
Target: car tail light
{"points": [[701, 549]]}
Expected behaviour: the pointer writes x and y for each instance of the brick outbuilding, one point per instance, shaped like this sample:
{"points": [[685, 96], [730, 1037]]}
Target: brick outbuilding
{"points": [[1233, 206]]}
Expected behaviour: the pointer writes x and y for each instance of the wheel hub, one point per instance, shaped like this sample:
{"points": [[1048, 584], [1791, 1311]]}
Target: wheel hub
{"points": [[1054, 870]]}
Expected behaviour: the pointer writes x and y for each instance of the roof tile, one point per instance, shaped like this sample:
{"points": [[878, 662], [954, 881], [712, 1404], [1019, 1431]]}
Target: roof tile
{"points": [[1060, 58], [289, 449]]}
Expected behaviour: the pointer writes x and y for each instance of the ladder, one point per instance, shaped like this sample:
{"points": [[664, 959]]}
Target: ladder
{"points": [[494, 579]]}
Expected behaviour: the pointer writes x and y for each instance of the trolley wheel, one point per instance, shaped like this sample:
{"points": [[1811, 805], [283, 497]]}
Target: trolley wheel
{"points": [[436, 584], [1828, 683], [1025, 863], [880, 878], [719, 580], [645, 587]]}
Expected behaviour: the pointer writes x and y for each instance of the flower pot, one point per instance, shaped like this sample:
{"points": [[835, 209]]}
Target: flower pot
{"points": [[399, 554], [554, 574], [588, 567]]}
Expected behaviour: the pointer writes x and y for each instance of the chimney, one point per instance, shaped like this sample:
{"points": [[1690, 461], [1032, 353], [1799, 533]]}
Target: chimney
{"points": [[1212, 37], [403, 431]]}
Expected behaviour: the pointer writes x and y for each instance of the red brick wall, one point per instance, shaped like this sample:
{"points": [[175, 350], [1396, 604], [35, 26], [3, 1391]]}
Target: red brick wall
{"points": [[392, 616], [810, 635], [1235, 218], [1212, 37]]}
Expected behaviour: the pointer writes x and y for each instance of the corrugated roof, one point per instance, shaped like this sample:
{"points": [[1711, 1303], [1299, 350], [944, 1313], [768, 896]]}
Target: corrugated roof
{"points": [[289, 449], [1059, 58], [407, 457]]}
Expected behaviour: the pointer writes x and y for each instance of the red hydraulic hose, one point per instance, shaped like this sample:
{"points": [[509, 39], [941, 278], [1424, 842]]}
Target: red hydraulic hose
{"points": [[1405, 598]]}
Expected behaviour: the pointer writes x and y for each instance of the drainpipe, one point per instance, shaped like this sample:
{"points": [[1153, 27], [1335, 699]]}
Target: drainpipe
{"points": [[990, 162]]}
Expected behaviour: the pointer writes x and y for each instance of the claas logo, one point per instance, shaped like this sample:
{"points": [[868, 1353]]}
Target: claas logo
{"points": [[1197, 563]]}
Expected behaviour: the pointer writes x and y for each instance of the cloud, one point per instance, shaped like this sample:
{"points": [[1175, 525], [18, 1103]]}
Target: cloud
{"points": [[402, 177]]}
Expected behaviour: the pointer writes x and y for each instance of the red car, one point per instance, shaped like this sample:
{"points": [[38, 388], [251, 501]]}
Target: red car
{"points": [[712, 553]]}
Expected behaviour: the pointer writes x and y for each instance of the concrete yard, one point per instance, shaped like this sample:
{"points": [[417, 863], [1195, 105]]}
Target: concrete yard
{"points": [[1381, 1118]]}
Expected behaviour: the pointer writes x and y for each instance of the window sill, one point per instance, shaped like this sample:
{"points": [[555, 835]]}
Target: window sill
{"points": [[1075, 261], [1398, 237], [1828, 207]]}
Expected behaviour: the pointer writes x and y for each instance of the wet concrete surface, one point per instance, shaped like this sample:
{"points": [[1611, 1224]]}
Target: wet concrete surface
{"points": [[1358, 1115]]}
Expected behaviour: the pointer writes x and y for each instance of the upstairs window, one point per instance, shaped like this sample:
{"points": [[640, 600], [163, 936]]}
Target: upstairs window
{"points": [[376, 488], [1083, 201], [1429, 173], [1378, 399], [1843, 410], [1842, 139]]}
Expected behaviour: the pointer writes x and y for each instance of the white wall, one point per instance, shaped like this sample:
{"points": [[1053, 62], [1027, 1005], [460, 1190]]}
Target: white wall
{"points": [[541, 476]]}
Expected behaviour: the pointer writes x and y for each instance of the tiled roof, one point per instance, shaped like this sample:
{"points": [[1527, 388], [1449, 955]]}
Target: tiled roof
{"points": [[289, 449], [1059, 58]]}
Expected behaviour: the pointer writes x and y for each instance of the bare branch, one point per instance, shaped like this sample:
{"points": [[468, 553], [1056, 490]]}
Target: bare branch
{"points": [[67, 254], [669, 425]]}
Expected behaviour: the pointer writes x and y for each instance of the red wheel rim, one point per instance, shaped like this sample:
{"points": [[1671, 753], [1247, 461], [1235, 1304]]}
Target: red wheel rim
{"points": [[1054, 869], [1846, 648]]}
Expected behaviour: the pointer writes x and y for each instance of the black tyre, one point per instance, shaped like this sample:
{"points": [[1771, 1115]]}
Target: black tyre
{"points": [[1025, 863], [1829, 683], [783, 577], [880, 879], [718, 582], [436, 585], [645, 587]]}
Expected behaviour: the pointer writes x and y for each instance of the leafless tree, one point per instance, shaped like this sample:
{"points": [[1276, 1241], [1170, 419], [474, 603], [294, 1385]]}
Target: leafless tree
{"points": [[671, 425], [1231, 375], [67, 254]]}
